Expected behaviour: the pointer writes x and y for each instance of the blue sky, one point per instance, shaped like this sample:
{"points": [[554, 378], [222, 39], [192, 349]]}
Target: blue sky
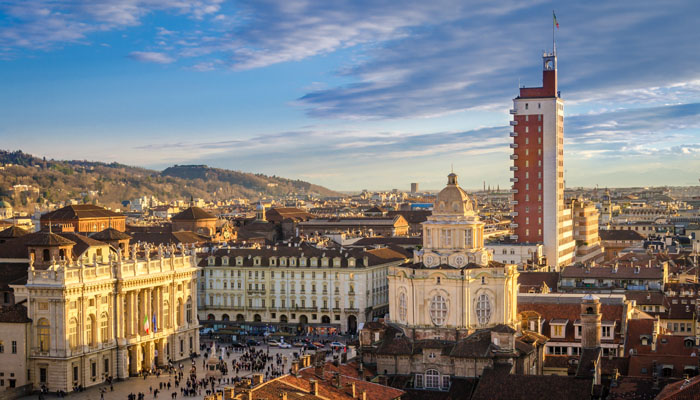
{"points": [[351, 94]]}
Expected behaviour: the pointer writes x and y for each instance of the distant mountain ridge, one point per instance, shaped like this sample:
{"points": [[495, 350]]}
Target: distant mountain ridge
{"points": [[112, 183]]}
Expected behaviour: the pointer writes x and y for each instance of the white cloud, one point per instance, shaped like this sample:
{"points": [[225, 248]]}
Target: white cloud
{"points": [[151, 56]]}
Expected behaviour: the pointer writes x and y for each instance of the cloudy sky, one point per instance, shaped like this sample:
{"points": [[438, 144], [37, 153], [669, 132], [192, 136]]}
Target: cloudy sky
{"points": [[351, 94]]}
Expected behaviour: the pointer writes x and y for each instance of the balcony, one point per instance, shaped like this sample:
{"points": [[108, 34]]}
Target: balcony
{"points": [[514, 225], [352, 310], [513, 123], [514, 134], [513, 156], [513, 180], [514, 202], [513, 145], [514, 214], [513, 168], [514, 237], [514, 191], [513, 111]]}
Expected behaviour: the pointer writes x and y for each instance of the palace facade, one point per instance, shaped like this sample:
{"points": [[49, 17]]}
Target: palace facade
{"points": [[97, 312]]}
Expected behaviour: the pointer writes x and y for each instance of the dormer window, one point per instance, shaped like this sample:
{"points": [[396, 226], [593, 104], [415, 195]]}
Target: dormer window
{"points": [[558, 328], [293, 261], [239, 260], [256, 261], [314, 262], [336, 262], [273, 261], [283, 262], [212, 260], [324, 262], [302, 262], [224, 260]]}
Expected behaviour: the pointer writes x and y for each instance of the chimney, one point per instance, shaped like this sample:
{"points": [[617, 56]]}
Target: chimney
{"points": [[257, 379], [284, 396], [354, 392], [336, 380], [314, 386], [295, 368], [318, 368], [364, 395]]}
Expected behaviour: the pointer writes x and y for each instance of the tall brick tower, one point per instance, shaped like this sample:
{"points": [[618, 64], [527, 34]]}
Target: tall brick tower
{"points": [[540, 215]]}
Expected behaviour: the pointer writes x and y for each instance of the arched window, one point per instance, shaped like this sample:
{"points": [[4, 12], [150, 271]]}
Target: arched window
{"points": [[44, 334], [402, 307], [62, 254], [73, 333], [432, 379], [483, 309], [104, 327], [188, 310], [90, 330], [166, 314], [438, 310]]}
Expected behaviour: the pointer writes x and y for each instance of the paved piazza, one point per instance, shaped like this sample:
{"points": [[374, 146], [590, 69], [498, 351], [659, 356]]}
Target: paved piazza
{"points": [[138, 384]]}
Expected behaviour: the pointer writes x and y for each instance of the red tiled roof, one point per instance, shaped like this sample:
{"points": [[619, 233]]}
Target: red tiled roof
{"points": [[79, 211], [687, 389], [193, 213]]}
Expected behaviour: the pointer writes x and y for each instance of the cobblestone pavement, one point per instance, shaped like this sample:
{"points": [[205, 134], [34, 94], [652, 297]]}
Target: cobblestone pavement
{"points": [[136, 385]]}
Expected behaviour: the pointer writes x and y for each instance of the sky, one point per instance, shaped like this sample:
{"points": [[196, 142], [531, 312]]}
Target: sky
{"points": [[352, 94]]}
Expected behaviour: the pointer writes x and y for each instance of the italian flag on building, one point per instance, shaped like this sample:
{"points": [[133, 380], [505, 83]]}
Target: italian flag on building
{"points": [[146, 324], [556, 23]]}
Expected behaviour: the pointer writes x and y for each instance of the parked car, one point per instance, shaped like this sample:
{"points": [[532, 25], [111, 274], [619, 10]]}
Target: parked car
{"points": [[237, 345], [319, 345], [310, 346], [285, 345], [298, 343], [336, 345], [252, 342], [273, 343]]}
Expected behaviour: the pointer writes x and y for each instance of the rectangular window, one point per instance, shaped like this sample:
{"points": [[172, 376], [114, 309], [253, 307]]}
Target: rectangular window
{"points": [[419, 381], [14, 347], [42, 375]]}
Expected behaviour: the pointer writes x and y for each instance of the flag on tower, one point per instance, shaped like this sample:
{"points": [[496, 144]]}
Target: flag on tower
{"points": [[556, 23], [146, 324]]}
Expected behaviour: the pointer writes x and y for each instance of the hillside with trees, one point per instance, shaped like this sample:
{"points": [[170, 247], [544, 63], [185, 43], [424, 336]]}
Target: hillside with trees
{"points": [[110, 184]]}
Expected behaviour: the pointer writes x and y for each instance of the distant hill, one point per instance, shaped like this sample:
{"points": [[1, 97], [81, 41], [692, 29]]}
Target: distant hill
{"points": [[110, 184]]}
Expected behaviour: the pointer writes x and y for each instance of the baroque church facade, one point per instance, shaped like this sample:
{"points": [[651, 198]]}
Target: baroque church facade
{"points": [[452, 287], [452, 309]]}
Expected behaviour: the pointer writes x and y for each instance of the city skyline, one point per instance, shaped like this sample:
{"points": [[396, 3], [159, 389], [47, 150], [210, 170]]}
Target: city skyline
{"points": [[333, 94]]}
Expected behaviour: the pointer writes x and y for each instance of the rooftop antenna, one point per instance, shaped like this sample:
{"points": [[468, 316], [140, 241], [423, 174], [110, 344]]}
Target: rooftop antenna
{"points": [[555, 24]]}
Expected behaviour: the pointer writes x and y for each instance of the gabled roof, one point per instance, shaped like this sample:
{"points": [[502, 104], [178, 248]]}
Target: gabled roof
{"points": [[79, 211], [686, 389], [192, 214], [12, 232], [495, 385], [110, 234], [14, 314], [619, 234], [47, 239]]}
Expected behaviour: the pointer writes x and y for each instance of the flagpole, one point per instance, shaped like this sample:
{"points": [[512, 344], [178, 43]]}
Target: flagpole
{"points": [[554, 45]]}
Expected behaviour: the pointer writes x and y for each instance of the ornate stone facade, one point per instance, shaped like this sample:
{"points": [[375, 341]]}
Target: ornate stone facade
{"points": [[452, 284], [95, 316]]}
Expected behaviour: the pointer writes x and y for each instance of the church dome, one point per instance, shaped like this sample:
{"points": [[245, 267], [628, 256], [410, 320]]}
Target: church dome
{"points": [[452, 200]]}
